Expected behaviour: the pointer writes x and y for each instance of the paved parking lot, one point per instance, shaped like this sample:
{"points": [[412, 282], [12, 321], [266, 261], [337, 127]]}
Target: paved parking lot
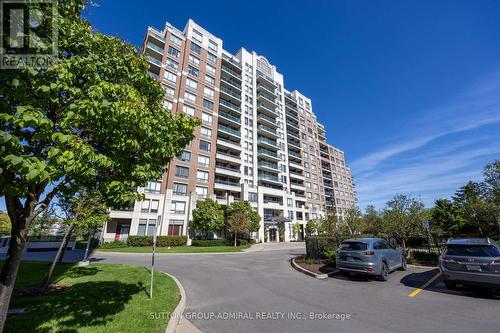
{"points": [[264, 284]]}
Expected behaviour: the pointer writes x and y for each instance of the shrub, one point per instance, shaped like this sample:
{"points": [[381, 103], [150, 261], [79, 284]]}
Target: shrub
{"points": [[113, 245], [209, 242], [166, 241], [423, 257], [161, 241]]}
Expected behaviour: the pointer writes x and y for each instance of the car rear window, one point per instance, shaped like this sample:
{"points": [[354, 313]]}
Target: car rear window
{"points": [[354, 246], [472, 250]]}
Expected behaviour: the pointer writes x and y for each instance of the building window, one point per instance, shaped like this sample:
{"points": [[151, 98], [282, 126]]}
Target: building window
{"points": [[203, 160], [175, 227], [212, 45], [176, 40], [208, 104], [205, 131], [188, 110], [181, 171], [202, 175], [172, 64], [205, 146], [210, 69], [212, 57], [174, 52], [209, 92], [206, 118], [178, 207], [197, 35], [190, 97], [169, 91], [170, 76], [180, 189], [151, 227], [168, 105], [252, 197], [193, 71], [154, 206], [195, 48], [141, 231], [152, 187], [191, 83], [194, 60], [145, 206], [202, 191], [209, 79], [185, 156]]}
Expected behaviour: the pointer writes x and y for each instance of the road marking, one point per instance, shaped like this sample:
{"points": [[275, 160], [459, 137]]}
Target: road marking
{"points": [[417, 291]]}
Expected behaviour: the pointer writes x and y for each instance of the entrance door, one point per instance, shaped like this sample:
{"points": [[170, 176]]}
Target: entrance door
{"points": [[272, 235], [122, 231]]}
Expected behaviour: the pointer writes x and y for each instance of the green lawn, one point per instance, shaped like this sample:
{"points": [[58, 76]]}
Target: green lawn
{"points": [[102, 298], [177, 249]]}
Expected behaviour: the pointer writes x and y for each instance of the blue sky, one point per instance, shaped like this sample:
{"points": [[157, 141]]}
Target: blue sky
{"points": [[410, 90]]}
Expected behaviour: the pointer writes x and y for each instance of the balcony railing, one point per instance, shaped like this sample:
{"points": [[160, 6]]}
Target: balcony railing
{"points": [[231, 82], [230, 71], [269, 165], [230, 92], [229, 130], [269, 177], [226, 182], [155, 47], [154, 61], [268, 129], [229, 117], [267, 152], [268, 109], [230, 105], [268, 141]]}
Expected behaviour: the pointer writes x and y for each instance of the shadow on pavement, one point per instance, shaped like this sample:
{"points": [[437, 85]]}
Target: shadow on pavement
{"points": [[417, 280]]}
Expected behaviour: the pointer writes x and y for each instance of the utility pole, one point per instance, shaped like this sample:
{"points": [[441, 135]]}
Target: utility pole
{"points": [[153, 257]]}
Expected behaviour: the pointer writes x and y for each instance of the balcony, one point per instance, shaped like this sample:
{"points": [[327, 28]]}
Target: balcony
{"points": [[268, 143], [261, 77], [297, 186], [154, 61], [229, 106], [295, 165], [225, 184], [269, 178], [228, 144], [296, 176], [269, 121], [231, 95], [293, 125], [155, 48], [264, 108], [293, 144], [230, 82], [292, 116], [231, 61], [272, 92], [293, 134], [268, 131], [291, 99], [267, 99], [231, 118], [225, 156], [229, 130], [272, 167], [225, 170], [229, 71], [295, 155], [157, 36], [268, 154]]}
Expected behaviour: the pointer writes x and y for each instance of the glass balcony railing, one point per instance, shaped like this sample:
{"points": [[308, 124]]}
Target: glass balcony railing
{"points": [[269, 177], [231, 82], [230, 71], [155, 47], [154, 61], [268, 129], [229, 130], [230, 105], [270, 165], [268, 109], [229, 117], [267, 152], [268, 141], [226, 182], [230, 92]]}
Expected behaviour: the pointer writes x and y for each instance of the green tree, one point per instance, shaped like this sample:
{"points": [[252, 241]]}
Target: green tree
{"points": [[93, 118], [43, 222], [445, 219], [473, 208], [208, 216], [245, 208], [85, 212], [311, 228], [402, 217], [372, 221], [354, 221], [238, 224], [492, 191], [5, 225]]}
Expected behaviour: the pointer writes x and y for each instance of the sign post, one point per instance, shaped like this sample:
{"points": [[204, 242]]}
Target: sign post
{"points": [[153, 257], [426, 226]]}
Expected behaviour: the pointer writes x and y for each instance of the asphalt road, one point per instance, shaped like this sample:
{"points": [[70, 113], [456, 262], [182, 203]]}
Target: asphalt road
{"points": [[264, 285]]}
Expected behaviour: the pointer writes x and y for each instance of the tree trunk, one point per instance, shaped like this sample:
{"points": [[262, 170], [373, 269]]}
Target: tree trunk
{"points": [[59, 253], [235, 237], [17, 242], [87, 247], [403, 242]]}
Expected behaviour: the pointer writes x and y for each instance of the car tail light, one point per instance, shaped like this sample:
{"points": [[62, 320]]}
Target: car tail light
{"points": [[495, 262], [369, 253], [447, 259], [370, 270]]}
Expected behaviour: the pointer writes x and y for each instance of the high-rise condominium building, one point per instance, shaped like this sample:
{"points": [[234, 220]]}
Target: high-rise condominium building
{"points": [[258, 142]]}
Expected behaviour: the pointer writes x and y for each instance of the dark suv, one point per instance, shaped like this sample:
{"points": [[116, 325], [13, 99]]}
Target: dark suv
{"points": [[470, 261]]}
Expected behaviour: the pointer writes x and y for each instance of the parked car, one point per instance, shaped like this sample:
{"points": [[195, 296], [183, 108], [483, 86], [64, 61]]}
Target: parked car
{"points": [[372, 256], [470, 261]]}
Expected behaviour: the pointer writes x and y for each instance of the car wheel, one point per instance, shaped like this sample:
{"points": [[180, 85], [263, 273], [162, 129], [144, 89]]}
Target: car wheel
{"points": [[450, 285], [384, 274], [403, 264]]}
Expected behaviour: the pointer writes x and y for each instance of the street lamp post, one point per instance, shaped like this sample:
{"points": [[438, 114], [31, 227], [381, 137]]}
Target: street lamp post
{"points": [[155, 232]]}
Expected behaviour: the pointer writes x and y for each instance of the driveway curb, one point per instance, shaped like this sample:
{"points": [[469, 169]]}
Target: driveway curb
{"points": [[308, 272], [420, 266], [177, 322]]}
